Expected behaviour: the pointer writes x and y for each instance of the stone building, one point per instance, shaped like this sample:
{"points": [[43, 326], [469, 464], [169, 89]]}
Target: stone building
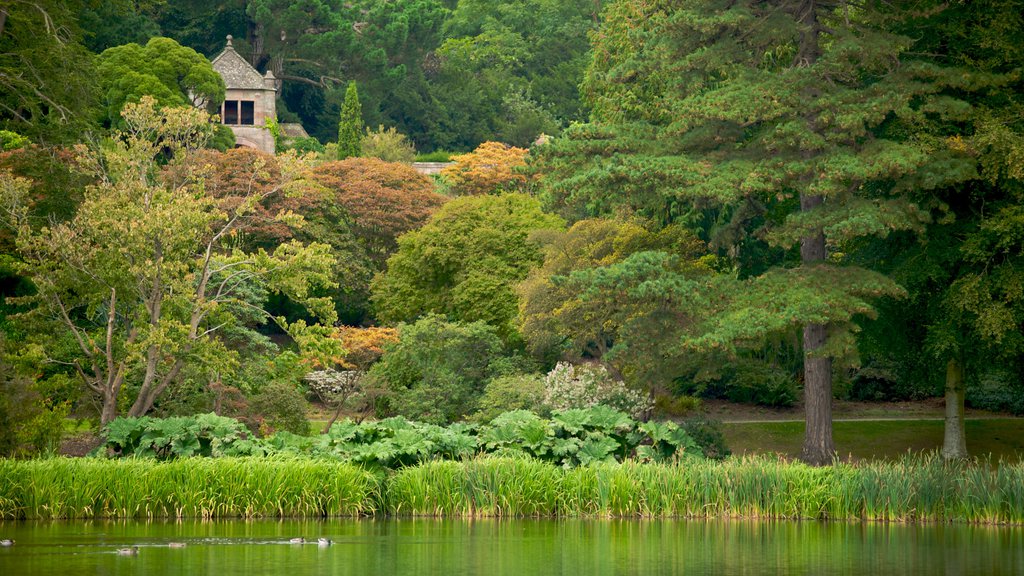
{"points": [[250, 99]]}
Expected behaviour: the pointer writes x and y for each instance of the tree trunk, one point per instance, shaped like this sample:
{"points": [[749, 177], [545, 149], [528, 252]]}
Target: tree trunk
{"points": [[818, 449], [334, 418], [109, 411], [954, 444]]}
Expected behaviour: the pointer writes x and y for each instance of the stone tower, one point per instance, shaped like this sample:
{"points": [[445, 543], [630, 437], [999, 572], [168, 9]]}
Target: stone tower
{"points": [[250, 99]]}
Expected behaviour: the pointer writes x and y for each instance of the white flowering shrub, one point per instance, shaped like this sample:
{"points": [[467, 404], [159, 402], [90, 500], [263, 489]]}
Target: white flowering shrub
{"points": [[569, 386], [333, 385]]}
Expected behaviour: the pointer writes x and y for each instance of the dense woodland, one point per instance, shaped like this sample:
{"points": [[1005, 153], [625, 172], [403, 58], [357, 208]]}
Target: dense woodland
{"points": [[653, 202]]}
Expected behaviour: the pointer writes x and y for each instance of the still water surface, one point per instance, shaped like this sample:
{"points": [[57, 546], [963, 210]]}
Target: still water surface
{"points": [[509, 548]]}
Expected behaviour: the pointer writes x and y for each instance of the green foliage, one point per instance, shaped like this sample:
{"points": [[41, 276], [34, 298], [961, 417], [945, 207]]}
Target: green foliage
{"points": [[506, 393], [743, 379], [570, 438], [12, 141], [305, 145], [145, 279], [47, 84], [675, 406], [30, 423], [998, 391], [350, 127], [389, 145], [707, 434], [280, 406], [169, 438], [581, 437], [464, 262], [435, 156], [174, 75], [588, 301], [438, 370]]}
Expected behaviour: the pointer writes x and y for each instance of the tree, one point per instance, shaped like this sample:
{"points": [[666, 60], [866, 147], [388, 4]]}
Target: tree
{"points": [[144, 277], [465, 262], [381, 200], [587, 302], [963, 272], [490, 169], [350, 127], [802, 108], [46, 92], [172, 74], [388, 145]]}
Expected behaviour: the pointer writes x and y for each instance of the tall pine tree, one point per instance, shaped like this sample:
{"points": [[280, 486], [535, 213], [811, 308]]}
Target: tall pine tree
{"points": [[801, 108], [350, 128]]}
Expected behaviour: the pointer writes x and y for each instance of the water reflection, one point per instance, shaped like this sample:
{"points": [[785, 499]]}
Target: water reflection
{"points": [[509, 548]]}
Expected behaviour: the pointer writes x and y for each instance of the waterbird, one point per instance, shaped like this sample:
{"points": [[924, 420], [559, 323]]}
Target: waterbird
{"points": [[299, 540], [6, 542], [175, 544], [324, 541], [133, 551]]}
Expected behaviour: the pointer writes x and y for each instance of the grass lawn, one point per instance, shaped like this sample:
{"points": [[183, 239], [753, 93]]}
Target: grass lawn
{"points": [[1000, 437]]}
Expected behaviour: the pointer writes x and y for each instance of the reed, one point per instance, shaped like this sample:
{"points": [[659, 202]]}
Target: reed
{"points": [[194, 487], [916, 488]]}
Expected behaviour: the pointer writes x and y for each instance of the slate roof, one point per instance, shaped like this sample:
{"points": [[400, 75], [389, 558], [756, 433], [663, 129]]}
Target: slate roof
{"points": [[236, 71], [293, 130]]}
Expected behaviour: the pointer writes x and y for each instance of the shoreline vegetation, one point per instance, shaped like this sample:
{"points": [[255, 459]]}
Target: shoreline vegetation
{"points": [[917, 488]]}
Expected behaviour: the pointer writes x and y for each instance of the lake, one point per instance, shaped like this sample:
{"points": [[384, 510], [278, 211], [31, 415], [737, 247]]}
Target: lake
{"points": [[509, 548]]}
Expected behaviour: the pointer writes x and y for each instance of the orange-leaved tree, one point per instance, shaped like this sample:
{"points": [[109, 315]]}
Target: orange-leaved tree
{"points": [[380, 200], [491, 168]]}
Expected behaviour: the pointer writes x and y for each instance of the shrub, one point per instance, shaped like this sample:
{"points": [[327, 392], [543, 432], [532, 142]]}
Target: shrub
{"points": [[520, 392], [305, 145], [997, 391], [389, 145], [707, 433], [569, 386], [759, 383], [435, 156], [437, 370], [745, 380], [337, 390], [12, 140], [28, 425], [280, 406], [667, 405]]}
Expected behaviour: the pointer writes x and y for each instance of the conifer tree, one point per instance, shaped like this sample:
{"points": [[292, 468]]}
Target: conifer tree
{"points": [[801, 107], [350, 128]]}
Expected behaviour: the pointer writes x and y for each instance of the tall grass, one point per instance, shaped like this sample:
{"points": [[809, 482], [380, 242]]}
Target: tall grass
{"points": [[915, 488], [195, 487]]}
